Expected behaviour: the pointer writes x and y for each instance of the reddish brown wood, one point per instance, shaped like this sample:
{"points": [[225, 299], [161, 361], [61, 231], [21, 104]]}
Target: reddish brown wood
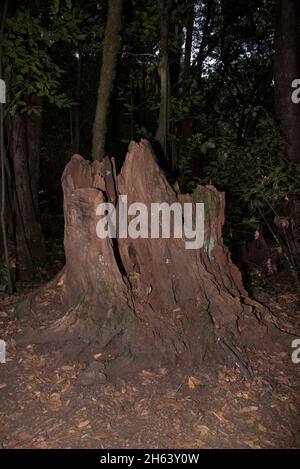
{"points": [[148, 297]]}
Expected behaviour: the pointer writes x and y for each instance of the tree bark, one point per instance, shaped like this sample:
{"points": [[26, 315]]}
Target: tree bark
{"points": [[176, 35], [76, 109], [4, 184], [163, 121], [287, 69], [186, 126], [147, 300], [30, 251], [33, 123], [189, 38], [110, 49]]}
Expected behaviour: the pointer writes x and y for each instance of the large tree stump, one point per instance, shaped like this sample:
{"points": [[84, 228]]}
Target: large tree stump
{"points": [[150, 299]]}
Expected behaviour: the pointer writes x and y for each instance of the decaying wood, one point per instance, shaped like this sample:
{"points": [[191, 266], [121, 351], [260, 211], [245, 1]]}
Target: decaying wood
{"points": [[147, 298]]}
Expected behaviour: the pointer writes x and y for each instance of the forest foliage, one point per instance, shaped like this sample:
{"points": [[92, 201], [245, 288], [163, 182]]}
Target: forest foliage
{"points": [[222, 125]]}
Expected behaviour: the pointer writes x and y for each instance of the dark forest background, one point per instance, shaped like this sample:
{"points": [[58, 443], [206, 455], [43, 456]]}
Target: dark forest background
{"points": [[230, 120]]}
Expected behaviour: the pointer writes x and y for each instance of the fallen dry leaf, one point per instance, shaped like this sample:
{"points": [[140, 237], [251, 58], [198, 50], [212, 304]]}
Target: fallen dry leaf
{"points": [[53, 403], [262, 428], [253, 444], [292, 408], [68, 367], [40, 445], [83, 424], [203, 429], [245, 410], [24, 436], [147, 373], [193, 382]]}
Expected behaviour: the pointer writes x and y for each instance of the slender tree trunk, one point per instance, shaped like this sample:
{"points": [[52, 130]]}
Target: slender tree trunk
{"points": [[205, 40], [110, 49], [33, 139], [189, 38], [4, 186], [186, 126], [22, 185], [176, 35], [163, 121], [287, 69], [76, 109], [30, 250]]}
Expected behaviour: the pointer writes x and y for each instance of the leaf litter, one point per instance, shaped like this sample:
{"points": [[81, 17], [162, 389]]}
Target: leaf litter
{"points": [[44, 404]]}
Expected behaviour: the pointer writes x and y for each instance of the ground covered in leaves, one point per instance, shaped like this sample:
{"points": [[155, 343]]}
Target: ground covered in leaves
{"points": [[49, 403]]}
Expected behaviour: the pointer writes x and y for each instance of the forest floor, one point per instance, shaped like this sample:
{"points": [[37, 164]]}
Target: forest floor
{"points": [[46, 403]]}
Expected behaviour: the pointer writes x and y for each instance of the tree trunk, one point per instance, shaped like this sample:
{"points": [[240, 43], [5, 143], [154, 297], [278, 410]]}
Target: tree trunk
{"points": [[110, 49], [163, 120], [186, 125], [188, 38], [176, 35], [145, 300], [286, 70], [33, 140], [7, 233], [76, 109], [30, 252], [5, 212]]}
